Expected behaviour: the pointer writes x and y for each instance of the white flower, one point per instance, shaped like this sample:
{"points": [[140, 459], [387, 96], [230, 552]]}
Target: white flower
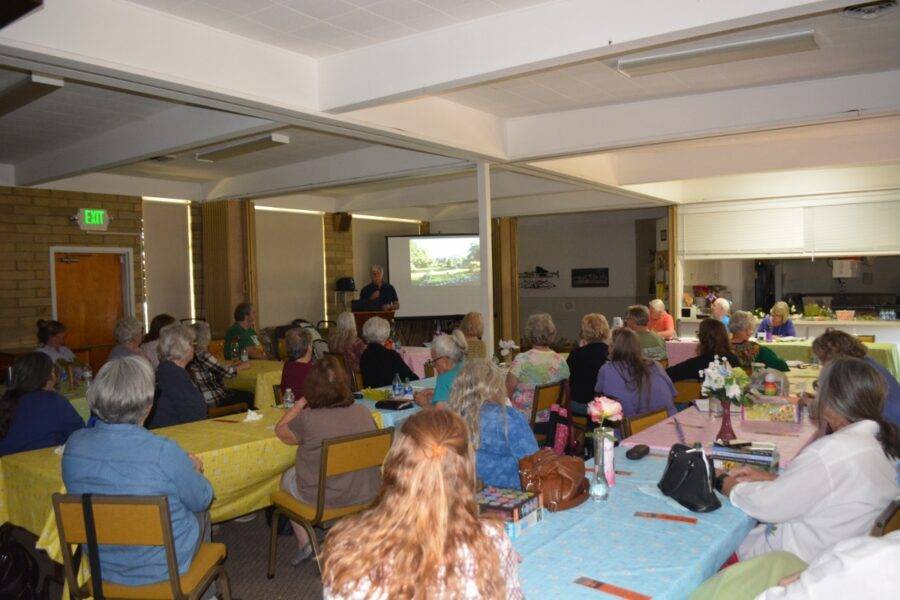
{"points": [[733, 391]]}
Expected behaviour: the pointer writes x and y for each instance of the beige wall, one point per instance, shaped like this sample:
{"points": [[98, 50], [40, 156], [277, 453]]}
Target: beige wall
{"points": [[168, 260]]}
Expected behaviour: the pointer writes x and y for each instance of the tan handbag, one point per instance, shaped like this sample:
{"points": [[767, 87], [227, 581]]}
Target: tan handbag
{"points": [[559, 480]]}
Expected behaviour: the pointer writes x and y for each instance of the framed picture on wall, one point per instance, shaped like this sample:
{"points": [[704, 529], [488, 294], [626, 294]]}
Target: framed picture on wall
{"points": [[595, 277], [663, 235]]}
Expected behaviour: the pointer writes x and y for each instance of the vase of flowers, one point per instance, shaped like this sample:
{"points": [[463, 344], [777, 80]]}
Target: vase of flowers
{"points": [[601, 410], [727, 385]]}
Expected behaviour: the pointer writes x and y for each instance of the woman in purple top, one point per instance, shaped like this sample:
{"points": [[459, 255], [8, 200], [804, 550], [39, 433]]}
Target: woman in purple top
{"points": [[640, 385], [778, 322]]}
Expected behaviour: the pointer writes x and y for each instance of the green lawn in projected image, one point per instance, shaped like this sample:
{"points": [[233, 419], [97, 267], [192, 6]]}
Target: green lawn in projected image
{"points": [[444, 261]]}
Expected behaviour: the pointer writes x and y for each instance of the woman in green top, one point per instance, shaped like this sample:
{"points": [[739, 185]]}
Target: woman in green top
{"points": [[742, 325]]}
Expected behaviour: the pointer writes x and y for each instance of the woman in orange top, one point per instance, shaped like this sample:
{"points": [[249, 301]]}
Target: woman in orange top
{"points": [[661, 322]]}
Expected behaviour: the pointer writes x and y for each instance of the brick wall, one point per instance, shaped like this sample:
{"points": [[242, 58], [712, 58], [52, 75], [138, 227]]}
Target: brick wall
{"points": [[32, 220], [338, 261], [197, 258]]}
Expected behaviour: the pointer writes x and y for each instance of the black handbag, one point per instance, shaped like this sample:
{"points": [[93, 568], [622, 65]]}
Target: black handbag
{"points": [[689, 479], [18, 569]]}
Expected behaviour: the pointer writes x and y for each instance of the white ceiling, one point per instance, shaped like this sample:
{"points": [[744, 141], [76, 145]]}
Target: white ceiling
{"points": [[846, 46], [304, 145], [322, 27], [66, 116]]}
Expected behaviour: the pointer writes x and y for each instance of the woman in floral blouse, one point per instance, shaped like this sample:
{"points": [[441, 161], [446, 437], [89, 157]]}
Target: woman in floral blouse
{"points": [[538, 366]]}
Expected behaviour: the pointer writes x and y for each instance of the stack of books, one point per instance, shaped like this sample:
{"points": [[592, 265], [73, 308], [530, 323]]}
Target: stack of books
{"points": [[518, 510], [758, 454]]}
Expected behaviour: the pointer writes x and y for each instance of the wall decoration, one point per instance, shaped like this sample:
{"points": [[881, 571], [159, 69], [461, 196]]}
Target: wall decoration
{"points": [[539, 279], [663, 235], [596, 277]]}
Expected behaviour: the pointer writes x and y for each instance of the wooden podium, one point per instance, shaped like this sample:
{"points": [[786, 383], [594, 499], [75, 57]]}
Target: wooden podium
{"points": [[362, 317]]}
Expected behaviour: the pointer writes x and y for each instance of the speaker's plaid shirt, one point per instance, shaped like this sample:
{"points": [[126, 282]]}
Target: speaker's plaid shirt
{"points": [[208, 376]]}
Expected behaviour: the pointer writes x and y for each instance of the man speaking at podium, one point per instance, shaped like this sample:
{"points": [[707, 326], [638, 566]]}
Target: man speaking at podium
{"points": [[379, 292]]}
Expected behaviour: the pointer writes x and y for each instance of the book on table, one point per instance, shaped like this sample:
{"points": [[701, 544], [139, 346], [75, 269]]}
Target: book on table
{"points": [[758, 454], [517, 509]]}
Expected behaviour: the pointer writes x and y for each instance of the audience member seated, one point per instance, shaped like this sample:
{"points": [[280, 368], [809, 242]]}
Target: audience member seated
{"points": [[585, 360], [713, 342], [653, 346], [638, 383], [861, 567], [472, 327], [151, 340], [177, 398], [241, 336], [128, 333], [52, 342], [834, 343], [538, 366], [742, 326], [209, 376], [32, 415], [661, 322], [299, 361], [721, 309], [778, 321], [836, 487], [448, 352], [499, 433], [423, 538], [326, 411], [379, 364], [119, 456], [344, 339]]}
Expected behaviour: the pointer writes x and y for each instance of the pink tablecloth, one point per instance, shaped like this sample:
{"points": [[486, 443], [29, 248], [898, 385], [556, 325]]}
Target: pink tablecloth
{"points": [[680, 351], [415, 358], [703, 427]]}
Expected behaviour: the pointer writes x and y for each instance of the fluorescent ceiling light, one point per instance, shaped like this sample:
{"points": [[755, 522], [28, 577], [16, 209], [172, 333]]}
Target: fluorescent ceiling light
{"points": [[298, 211], [27, 91], [165, 200], [376, 218], [270, 140], [715, 54]]}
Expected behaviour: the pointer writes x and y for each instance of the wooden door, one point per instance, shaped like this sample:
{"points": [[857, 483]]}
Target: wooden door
{"points": [[89, 292]]}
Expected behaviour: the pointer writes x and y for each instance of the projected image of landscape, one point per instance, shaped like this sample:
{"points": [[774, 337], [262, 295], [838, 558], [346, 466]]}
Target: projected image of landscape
{"points": [[445, 261]]}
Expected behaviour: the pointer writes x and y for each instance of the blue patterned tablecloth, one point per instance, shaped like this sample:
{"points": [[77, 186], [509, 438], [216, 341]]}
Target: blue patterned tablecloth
{"points": [[394, 418], [606, 542]]}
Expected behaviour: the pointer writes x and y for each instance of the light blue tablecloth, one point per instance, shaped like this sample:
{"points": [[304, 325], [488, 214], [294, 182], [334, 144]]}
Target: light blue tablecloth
{"points": [[394, 418], [606, 542]]}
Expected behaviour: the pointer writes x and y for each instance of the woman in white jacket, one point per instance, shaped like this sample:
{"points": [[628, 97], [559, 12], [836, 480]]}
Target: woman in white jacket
{"points": [[838, 485]]}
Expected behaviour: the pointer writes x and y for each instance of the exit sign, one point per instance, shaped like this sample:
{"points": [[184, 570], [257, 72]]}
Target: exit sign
{"points": [[92, 219]]}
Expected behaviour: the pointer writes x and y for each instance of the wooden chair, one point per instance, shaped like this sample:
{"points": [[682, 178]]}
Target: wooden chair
{"points": [[429, 369], [214, 412], [545, 396], [687, 390], [136, 521], [276, 392], [866, 339], [358, 381], [217, 348], [340, 455], [638, 423], [888, 521]]}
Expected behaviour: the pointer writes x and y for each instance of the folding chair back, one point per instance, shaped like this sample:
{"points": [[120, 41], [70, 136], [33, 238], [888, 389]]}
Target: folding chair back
{"points": [[638, 423]]}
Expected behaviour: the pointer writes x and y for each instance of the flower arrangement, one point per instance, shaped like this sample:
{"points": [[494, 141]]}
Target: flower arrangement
{"points": [[726, 384], [506, 347], [602, 408]]}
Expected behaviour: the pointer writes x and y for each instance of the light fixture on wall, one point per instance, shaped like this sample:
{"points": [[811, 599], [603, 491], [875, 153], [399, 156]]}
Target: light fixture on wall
{"points": [[246, 146], [299, 211], [718, 53], [377, 218]]}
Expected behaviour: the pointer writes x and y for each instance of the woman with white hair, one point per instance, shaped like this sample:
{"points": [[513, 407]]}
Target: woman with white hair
{"points": [[379, 364], [128, 333], [177, 398], [209, 376], [118, 456], [538, 366], [742, 326], [661, 323], [498, 432], [343, 338], [720, 309], [448, 352]]}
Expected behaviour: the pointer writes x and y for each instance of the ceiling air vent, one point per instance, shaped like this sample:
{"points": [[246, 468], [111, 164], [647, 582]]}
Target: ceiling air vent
{"points": [[870, 10]]}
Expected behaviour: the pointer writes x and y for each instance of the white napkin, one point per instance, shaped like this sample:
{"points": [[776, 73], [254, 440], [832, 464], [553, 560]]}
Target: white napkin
{"points": [[252, 415], [59, 449]]}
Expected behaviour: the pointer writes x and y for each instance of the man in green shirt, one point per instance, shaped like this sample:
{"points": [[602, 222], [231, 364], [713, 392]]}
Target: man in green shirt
{"points": [[638, 319], [242, 334]]}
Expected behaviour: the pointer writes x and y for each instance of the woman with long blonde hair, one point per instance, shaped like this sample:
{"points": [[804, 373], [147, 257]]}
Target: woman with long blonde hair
{"points": [[343, 338], [422, 538]]}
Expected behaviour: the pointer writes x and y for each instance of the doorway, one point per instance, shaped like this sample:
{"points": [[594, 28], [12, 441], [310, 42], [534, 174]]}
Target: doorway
{"points": [[91, 288]]}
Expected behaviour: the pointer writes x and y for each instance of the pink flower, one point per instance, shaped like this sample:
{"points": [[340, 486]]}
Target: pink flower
{"points": [[601, 408]]}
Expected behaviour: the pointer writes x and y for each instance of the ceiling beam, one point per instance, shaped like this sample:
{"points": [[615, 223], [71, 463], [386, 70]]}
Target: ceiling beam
{"points": [[173, 130], [539, 37], [703, 115], [26, 91]]}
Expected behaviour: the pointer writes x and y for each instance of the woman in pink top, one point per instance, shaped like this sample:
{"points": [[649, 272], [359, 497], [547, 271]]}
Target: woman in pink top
{"points": [[661, 322]]}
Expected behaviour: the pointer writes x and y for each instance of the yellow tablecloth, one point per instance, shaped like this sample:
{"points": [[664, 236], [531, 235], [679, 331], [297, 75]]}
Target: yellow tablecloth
{"points": [[883, 353], [243, 462], [246, 380]]}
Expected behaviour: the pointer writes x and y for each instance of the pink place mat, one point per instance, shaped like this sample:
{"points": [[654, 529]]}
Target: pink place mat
{"points": [[703, 427], [415, 358], [680, 351]]}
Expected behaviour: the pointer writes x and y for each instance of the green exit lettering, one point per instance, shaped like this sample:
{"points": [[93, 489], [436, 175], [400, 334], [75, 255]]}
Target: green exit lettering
{"points": [[94, 216]]}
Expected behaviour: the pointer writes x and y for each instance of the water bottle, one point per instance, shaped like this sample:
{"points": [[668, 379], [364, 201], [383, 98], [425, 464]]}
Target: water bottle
{"points": [[235, 350], [244, 356], [288, 398], [396, 386], [88, 376], [407, 389]]}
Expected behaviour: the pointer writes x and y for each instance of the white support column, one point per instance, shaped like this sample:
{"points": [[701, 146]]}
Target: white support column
{"points": [[483, 179]]}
